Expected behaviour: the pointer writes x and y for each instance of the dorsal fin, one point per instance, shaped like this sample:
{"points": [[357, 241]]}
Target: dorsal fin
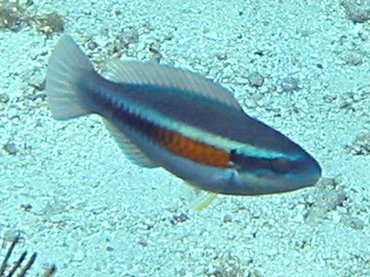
{"points": [[164, 75]]}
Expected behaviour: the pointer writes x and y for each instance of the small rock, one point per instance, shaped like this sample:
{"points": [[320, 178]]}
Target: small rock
{"points": [[182, 217], [221, 56], [26, 207], [360, 146], [355, 223], [290, 84], [357, 11], [227, 218], [91, 45], [4, 98], [353, 58], [143, 242], [256, 79], [329, 98], [11, 148]]}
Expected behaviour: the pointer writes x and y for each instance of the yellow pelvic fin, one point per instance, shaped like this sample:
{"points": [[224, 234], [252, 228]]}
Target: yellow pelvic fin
{"points": [[203, 200]]}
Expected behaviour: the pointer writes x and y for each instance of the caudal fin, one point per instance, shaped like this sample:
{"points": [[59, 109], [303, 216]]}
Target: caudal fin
{"points": [[66, 65]]}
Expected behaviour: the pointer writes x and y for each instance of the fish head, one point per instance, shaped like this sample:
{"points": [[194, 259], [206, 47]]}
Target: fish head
{"points": [[273, 174]]}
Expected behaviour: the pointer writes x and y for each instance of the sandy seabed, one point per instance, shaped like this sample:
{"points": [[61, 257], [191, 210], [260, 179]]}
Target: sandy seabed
{"points": [[300, 66]]}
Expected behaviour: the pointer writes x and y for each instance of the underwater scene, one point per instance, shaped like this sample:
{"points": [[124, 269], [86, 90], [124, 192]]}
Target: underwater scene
{"points": [[185, 138]]}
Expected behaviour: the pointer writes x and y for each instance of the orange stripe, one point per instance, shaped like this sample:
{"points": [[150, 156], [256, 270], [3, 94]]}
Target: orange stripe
{"points": [[191, 149]]}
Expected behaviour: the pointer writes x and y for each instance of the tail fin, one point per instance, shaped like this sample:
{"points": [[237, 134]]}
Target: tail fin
{"points": [[66, 65]]}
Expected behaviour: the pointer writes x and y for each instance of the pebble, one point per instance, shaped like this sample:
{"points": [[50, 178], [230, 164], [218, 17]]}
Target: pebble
{"points": [[227, 218], [256, 79], [221, 56], [290, 84], [355, 223], [353, 58], [11, 148], [4, 98], [357, 11]]}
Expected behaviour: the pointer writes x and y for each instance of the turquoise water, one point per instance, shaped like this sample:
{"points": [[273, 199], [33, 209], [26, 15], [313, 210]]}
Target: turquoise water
{"points": [[75, 199]]}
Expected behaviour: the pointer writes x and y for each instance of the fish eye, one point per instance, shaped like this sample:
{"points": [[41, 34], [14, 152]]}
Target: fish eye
{"points": [[280, 165]]}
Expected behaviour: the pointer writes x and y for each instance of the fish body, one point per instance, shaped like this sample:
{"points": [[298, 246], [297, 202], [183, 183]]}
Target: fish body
{"points": [[166, 117]]}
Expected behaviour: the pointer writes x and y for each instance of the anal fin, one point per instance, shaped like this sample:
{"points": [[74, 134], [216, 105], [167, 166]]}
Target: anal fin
{"points": [[132, 152]]}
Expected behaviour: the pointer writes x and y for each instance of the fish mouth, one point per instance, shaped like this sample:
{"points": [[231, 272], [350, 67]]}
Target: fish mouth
{"points": [[315, 174], [306, 179]]}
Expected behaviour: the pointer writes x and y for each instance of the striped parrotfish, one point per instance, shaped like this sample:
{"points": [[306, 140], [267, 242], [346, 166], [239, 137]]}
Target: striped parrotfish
{"points": [[163, 116]]}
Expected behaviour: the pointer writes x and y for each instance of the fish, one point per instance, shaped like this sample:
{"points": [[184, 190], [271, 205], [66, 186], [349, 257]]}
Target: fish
{"points": [[163, 116]]}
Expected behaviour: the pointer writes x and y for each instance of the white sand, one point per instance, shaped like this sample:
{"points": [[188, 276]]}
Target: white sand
{"points": [[96, 214]]}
